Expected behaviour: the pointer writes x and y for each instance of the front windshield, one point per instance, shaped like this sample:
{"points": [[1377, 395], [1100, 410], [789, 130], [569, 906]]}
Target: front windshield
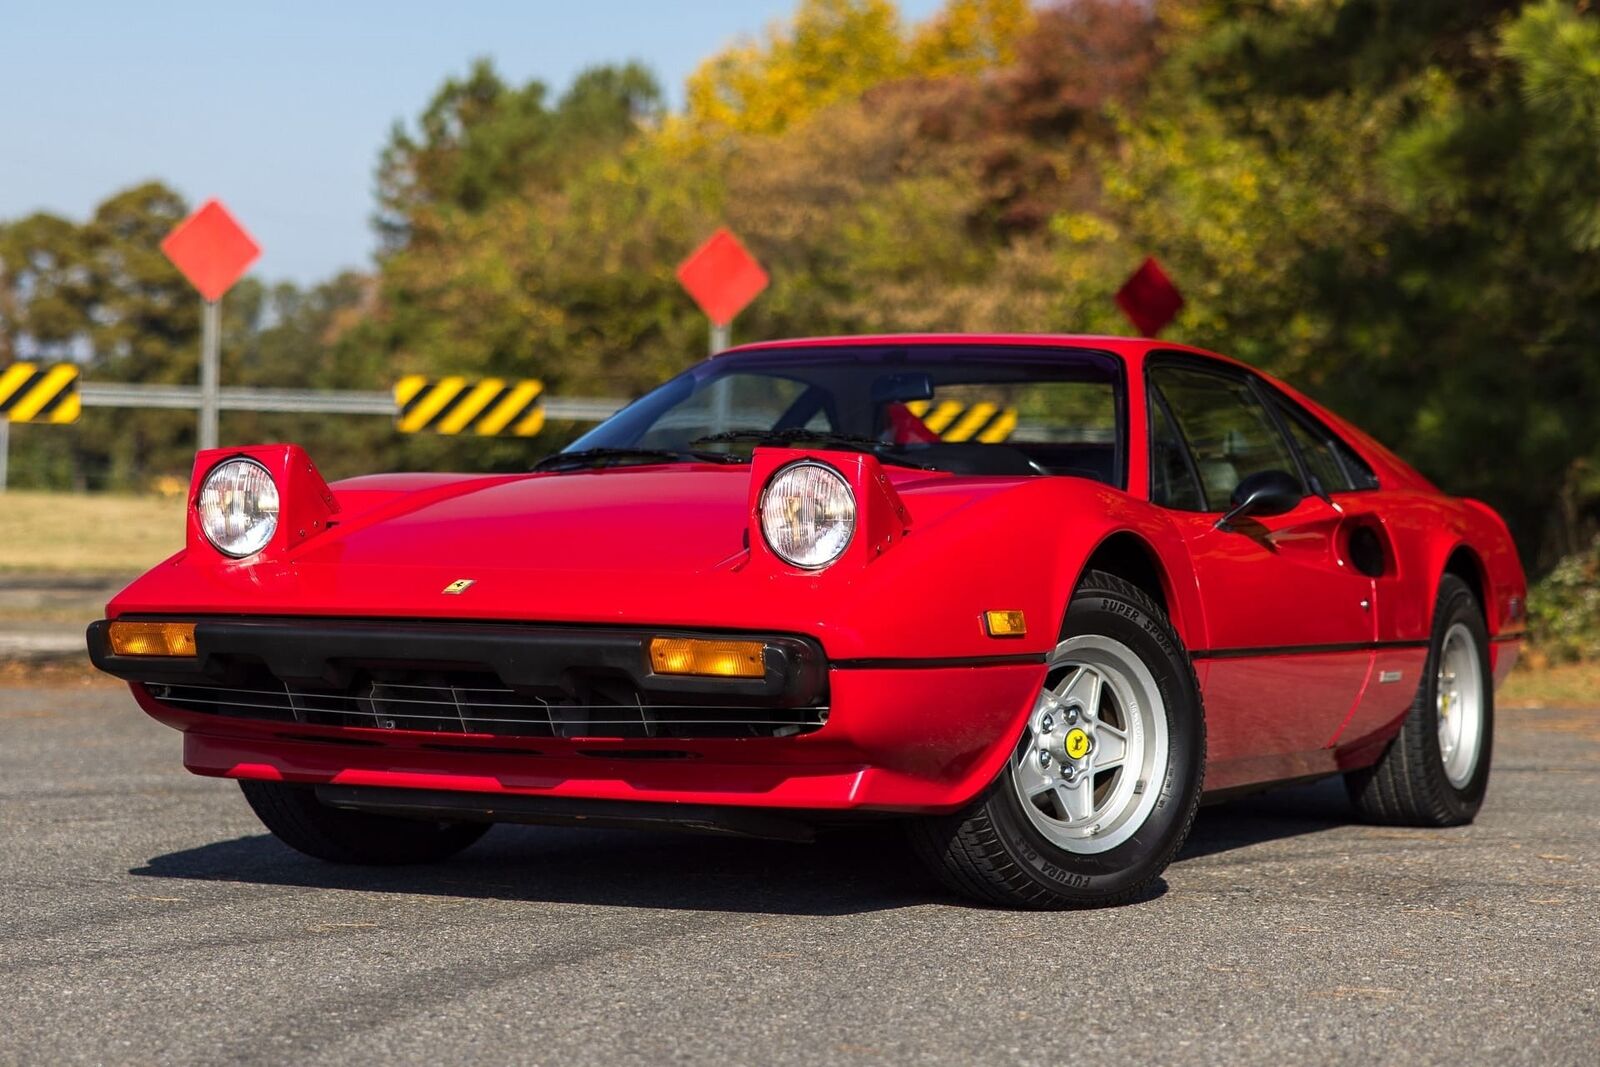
{"points": [[971, 409]]}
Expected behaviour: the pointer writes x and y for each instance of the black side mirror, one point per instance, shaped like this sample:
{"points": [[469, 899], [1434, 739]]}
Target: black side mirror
{"points": [[1263, 493]]}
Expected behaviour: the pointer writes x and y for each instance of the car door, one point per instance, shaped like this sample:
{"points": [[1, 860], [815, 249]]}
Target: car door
{"points": [[1365, 544], [1288, 624]]}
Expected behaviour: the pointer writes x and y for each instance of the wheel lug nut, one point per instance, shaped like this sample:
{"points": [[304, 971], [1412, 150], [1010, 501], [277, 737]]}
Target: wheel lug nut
{"points": [[1072, 715], [1044, 759], [1047, 724]]}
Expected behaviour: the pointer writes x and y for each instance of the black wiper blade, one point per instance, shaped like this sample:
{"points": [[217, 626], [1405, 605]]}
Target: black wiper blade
{"points": [[844, 442], [603, 457]]}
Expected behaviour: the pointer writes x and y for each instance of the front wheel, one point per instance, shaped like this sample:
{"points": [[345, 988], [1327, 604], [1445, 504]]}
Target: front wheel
{"points": [[1103, 783], [298, 819]]}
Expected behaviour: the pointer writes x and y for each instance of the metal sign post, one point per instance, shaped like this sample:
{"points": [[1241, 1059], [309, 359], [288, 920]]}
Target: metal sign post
{"points": [[721, 337], [210, 371], [5, 450]]}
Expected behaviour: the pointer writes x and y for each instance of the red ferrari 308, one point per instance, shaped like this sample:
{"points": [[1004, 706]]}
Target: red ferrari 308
{"points": [[1034, 597]]}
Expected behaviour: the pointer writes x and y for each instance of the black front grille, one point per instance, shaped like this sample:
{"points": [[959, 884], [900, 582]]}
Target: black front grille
{"points": [[474, 703]]}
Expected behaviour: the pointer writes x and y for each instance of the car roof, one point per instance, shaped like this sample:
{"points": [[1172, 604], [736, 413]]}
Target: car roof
{"points": [[1133, 349]]}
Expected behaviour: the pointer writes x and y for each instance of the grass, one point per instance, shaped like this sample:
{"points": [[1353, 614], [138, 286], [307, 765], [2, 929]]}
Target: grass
{"points": [[68, 533], [1564, 685]]}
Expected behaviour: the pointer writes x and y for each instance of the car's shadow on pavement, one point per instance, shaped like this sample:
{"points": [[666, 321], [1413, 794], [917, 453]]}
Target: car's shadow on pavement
{"points": [[1271, 815], [845, 872]]}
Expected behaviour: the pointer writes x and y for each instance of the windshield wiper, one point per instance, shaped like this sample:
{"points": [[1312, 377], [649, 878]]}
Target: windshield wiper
{"points": [[605, 457], [843, 442]]}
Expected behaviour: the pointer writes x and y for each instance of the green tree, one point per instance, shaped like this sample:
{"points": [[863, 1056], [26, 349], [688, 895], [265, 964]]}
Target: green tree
{"points": [[481, 139], [41, 284]]}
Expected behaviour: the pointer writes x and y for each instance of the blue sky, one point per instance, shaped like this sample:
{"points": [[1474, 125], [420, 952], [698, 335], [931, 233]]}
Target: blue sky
{"points": [[280, 109]]}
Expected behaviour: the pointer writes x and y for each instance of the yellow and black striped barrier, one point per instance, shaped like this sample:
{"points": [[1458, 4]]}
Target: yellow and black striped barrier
{"points": [[955, 421], [31, 393], [457, 405]]}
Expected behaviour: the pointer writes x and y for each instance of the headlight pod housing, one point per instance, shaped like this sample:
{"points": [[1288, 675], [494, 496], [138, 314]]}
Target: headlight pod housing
{"points": [[238, 507], [808, 514]]}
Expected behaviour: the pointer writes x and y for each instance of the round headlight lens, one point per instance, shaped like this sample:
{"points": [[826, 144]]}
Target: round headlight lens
{"points": [[238, 507], [808, 514]]}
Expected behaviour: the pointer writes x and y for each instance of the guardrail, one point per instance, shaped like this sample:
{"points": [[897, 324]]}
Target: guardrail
{"points": [[303, 401], [312, 401]]}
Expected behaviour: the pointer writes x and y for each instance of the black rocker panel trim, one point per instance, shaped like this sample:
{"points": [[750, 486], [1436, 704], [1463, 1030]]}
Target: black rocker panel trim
{"points": [[1302, 650], [934, 663]]}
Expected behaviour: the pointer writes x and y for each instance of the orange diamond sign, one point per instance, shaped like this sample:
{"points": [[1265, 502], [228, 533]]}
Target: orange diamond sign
{"points": [[722, 277], [1149, 298], [211, 249]]}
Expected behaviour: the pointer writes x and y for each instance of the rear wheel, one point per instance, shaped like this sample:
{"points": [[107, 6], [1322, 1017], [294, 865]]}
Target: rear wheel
{"points": [[1103, 783], [1436, 770], [298, 819]]}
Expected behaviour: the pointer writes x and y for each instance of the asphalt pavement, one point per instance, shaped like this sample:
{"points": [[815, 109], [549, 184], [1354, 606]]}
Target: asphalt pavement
{"points": [[43, 616], [148, 919]]}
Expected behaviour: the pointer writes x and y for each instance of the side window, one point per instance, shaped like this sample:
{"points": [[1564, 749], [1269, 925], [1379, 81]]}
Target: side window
{"points": [[1316, 449], [1172, 483], [1230, 434]]}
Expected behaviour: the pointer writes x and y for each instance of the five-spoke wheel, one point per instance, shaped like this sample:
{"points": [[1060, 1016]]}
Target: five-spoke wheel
{"points": [[1460, 704], [1094, 748]]}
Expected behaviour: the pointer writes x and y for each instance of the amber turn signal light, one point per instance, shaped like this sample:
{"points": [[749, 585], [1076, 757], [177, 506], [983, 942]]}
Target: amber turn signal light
{"points": [[1005, 624], [708, 658], [152, 638]]}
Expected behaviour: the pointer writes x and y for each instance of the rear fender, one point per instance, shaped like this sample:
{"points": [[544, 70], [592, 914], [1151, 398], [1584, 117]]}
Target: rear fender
{"points": [[1486, 538]]}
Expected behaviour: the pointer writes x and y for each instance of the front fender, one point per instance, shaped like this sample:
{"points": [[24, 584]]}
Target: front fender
{"points": [[1024, 548]]}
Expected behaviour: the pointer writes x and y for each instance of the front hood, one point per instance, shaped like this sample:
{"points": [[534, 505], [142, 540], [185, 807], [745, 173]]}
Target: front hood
{"points": [[684, 519]]}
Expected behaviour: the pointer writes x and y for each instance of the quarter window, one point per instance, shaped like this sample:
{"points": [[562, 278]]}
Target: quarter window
{"points": [[1230, 433], [1335, 464], [1317, 451], [1361, 474]]}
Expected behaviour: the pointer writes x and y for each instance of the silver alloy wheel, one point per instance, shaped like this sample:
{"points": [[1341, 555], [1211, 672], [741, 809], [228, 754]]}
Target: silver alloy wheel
{"points": [[1092, 761], [1459, 692]]}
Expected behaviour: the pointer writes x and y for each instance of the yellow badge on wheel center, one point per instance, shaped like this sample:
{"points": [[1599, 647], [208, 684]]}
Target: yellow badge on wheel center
{"points": [[1077, 743]]}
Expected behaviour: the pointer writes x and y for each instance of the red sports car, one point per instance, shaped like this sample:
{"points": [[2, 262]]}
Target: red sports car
{"points": [[1036, 597]]}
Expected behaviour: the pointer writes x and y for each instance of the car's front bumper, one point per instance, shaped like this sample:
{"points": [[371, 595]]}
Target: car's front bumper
{"points": [[895, 736]]}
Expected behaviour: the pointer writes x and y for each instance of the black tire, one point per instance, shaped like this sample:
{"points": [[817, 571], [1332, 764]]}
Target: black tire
{"points": [[1408, 785], [991, 852], [305, 824]]}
